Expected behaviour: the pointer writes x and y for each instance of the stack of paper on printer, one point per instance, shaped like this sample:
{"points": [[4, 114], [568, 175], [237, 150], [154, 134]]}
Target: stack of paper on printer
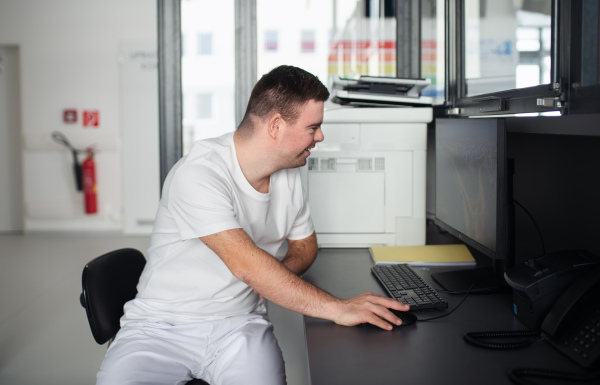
{"points": [[379, 91], [437, 255]]}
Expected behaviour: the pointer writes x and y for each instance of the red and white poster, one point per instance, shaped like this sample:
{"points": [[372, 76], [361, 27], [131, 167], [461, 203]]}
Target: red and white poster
{"points": [[91, 118]]}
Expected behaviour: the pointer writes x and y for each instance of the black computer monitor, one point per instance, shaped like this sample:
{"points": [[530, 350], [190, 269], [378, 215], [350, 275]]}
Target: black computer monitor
{"points": [[473, 197]]}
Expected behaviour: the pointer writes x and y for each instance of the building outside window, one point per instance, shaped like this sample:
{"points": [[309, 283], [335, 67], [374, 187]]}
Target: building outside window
{"points": [[307, 41], [205, 44], [295, 33], [271, 41]]}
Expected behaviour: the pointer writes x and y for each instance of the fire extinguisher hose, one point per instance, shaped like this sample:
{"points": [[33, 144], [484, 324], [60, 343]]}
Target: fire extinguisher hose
{"points": [[62, 139]]}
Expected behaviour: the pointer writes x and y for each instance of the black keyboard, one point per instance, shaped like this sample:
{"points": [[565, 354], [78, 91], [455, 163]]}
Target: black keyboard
{"points": [[405, 285]]}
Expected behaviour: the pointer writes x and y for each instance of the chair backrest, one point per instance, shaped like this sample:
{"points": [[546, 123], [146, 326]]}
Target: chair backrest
{"points": [[108, 282]]}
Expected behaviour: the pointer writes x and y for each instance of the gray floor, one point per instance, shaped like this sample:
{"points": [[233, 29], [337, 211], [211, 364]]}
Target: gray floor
{"points": [[44, 334]]}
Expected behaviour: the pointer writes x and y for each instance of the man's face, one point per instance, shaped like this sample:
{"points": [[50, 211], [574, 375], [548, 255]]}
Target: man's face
{"points": [[299, 138]]}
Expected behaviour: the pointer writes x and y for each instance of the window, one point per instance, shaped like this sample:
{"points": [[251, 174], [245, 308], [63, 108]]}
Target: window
{"points": [[307, 41], [549, 50], [205, 44], [271, 41], [503, 57], [208, 70], [204, 106], [507, 46], [513, 57], [295, 33], [364, 39], [432, 48]]}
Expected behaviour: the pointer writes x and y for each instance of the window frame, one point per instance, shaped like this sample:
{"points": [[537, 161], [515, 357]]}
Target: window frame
{"points": [[169, 85], [541, 98], [582, 99]]}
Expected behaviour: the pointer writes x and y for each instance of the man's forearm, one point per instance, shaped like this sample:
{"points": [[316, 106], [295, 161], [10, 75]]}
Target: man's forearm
{"points": [[269, 277], [301, 254]]}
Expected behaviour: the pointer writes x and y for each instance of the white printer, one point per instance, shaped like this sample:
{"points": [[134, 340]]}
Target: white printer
{"points": [[366, 180]]}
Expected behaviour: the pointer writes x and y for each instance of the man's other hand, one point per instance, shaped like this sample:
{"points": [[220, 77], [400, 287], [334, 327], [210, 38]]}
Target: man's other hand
{"points": [[370, 308]]}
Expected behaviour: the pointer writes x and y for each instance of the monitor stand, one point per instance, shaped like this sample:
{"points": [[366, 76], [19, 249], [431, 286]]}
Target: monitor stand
{"points": [[482, 279]]}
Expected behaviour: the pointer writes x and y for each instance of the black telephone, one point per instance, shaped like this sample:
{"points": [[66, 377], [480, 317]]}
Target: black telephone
{"points": [[573, 323]]}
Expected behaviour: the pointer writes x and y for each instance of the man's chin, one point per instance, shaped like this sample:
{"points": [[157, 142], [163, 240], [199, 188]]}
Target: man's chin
{"points": [[300, 162]]}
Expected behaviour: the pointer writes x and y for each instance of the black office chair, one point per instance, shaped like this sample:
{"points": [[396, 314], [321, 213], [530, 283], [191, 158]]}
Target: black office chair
{"points": [[108, 282]]}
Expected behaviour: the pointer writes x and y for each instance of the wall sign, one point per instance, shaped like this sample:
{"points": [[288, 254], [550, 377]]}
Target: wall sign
{"points": [[70, 116], [91, 118]]}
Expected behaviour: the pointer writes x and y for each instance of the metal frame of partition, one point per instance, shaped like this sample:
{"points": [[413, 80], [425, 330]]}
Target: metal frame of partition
{"points": [[169, 84]]}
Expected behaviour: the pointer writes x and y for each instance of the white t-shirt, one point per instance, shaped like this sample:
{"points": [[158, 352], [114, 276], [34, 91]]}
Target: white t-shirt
{"points": [[206, 193]]}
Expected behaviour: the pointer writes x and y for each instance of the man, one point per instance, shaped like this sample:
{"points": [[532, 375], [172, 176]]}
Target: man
{"points": [[226, 209]]}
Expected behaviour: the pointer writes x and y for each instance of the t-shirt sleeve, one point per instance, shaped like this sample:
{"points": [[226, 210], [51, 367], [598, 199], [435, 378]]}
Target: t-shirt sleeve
{"points": [[303, 226], [200, 200]]}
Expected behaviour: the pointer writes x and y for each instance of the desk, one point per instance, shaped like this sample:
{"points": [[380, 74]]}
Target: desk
{"points": [[431, 352]]}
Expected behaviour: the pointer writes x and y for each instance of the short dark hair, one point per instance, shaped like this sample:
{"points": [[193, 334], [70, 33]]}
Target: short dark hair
{"points": [[284, 90]]}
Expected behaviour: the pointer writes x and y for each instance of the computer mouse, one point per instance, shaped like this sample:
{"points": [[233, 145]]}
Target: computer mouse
{"points": [[407, 318]]}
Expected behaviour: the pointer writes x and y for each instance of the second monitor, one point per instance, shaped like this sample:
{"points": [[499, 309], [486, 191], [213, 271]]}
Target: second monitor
{"points": [[473, 197]]}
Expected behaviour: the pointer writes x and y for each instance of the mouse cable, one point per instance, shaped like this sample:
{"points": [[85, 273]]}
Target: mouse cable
{"points": [[486, 290], [518, 376], [451, 311]]}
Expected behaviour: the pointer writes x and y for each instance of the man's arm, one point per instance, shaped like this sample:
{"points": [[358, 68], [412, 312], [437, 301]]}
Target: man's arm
{"points": [[301, 254], [277, 283]]}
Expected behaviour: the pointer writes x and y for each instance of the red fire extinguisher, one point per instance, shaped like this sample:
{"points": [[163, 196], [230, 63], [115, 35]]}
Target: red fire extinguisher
{"points": [[89, 183]]}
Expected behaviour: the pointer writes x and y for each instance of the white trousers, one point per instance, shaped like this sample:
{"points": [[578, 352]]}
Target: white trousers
{"points": [[237, 350]]}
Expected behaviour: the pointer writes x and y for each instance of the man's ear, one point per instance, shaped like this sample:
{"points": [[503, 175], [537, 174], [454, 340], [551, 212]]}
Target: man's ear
{"points": [[275, 125]]}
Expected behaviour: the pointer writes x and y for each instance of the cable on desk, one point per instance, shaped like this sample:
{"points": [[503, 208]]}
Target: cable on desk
{"points": [[478, 339], [518, 376], [486, 290], [451, 311]]}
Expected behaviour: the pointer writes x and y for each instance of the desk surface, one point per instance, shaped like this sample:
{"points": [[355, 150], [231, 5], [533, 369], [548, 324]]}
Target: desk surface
{"points": [[430, 352]]}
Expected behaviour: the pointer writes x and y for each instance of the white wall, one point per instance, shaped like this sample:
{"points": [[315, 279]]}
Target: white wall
{"points": [[71, 55]]}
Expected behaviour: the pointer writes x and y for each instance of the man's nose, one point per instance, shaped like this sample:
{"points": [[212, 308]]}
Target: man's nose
{"points": [[319, 137]]}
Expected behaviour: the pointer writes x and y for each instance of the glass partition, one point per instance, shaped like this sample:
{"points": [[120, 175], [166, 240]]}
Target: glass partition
{"points": [[507, 45]]}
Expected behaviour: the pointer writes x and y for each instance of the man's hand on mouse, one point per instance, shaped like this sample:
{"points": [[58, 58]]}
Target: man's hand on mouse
{"points": [[369, 308]]}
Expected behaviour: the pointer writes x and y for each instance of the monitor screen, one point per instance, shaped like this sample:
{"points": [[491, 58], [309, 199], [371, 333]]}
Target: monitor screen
{"points": [[471, 185]]}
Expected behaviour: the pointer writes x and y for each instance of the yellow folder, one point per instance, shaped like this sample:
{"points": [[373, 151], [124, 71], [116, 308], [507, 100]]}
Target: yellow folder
{"points": [[423, 255]]}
